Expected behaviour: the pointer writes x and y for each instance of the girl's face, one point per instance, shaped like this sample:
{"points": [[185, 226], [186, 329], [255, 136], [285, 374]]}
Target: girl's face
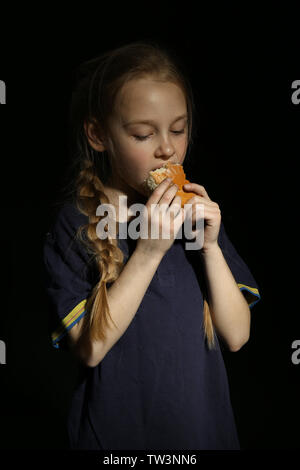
{"points": [[148, 127]]}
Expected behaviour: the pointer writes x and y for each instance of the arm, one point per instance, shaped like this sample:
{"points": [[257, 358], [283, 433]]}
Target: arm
{"points": [[126, 293], [229, 309], [124, 298]]}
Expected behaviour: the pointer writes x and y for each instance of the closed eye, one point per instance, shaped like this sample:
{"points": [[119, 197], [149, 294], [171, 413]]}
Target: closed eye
{"points": [[145, 137], [179, 132], [141, 137]]}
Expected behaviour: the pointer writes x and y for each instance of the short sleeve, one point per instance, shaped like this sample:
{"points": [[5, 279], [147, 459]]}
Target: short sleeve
{"points": [[239, 269], [69, 272]]}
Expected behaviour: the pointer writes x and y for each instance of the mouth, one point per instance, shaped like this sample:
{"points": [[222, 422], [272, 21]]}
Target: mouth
{"points": [[163, 164], [158, 166]]}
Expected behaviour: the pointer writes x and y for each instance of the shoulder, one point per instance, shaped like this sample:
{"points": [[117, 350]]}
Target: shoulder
{"points": [[63, 230], [67, 219]]}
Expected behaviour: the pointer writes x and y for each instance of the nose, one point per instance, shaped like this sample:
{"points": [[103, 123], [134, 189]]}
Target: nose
{"points": [[165, 149]]}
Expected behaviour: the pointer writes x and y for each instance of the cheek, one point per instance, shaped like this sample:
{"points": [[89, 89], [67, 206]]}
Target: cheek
{"points": [[181, 149], [131, 159]]}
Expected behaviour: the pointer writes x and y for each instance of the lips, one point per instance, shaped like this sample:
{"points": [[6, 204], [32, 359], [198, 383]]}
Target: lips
{"points": [[162, 164]]}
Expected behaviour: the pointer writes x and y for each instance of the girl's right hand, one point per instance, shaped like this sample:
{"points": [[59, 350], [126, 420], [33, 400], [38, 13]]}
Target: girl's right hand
{"points": [[162, 219]]}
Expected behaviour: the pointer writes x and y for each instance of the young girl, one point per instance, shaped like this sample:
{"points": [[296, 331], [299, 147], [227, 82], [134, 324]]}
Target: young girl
{"points": [[143, 316]]}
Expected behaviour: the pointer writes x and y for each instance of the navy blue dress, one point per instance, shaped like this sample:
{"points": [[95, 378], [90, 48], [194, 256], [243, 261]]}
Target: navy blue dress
{"points": [[159, 387]]}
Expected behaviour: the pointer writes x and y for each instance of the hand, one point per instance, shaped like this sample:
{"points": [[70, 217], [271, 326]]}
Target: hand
{"points": [[212, 215], [165, 215]]}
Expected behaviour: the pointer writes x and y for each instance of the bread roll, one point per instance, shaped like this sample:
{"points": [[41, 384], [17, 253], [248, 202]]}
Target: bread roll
{"points": [[170, 170]]}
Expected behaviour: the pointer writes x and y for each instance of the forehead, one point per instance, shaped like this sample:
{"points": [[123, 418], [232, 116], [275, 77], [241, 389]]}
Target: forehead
{"points": [[146, 97]]}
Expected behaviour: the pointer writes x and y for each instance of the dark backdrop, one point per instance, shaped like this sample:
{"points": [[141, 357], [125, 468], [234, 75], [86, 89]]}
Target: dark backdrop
{"points": [[241, 64]]}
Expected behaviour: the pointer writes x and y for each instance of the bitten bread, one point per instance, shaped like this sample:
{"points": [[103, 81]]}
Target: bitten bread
{"points": [[170, 170]]}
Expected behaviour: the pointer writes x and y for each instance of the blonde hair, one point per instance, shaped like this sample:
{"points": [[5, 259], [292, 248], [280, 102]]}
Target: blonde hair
{"points": [[97, 84]]}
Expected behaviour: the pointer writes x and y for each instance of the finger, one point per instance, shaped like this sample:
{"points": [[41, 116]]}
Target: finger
{"points": [[208, 214], [196, 188], [179, 220], [205, 206], [200, 207], [175, 206], [159, 191], [169, 194], [201, 200]]}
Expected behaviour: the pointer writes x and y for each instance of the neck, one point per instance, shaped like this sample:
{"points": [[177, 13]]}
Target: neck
{"points": [[116, 187]]}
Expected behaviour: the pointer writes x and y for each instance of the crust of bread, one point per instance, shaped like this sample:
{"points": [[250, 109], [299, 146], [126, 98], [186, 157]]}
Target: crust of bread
{"points": [[174, 171]]}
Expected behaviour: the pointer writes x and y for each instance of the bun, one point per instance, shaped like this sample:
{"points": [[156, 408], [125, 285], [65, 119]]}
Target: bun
{"points": [[170, 170]]}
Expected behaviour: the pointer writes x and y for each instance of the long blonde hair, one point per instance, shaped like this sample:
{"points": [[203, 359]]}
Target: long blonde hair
{"points": [[97, 83]]}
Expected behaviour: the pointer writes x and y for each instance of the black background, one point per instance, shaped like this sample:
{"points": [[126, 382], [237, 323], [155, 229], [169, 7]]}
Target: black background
{"points": [[241, 62]]}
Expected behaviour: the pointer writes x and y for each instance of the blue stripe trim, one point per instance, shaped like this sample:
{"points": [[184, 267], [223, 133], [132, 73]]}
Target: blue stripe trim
{"points": [[255, 295], [56, 341]]}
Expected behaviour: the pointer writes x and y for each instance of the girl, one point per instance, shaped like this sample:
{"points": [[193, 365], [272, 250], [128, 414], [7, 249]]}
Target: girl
{"points": [[144, 317]]}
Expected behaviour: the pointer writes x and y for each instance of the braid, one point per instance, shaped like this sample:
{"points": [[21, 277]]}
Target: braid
{"points": [[208, 325], [109, 257]]}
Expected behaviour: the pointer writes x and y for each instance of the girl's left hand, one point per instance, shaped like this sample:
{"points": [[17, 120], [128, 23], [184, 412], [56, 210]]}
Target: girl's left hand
{"points": [[212, 214]]}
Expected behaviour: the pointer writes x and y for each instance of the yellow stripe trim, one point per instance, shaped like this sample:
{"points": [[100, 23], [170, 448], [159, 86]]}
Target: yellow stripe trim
{"points": [[249, 292], [251, 289], [69, 320]]}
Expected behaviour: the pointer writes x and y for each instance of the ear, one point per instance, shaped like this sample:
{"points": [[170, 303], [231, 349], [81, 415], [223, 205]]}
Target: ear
{"points": [[94, 135]]}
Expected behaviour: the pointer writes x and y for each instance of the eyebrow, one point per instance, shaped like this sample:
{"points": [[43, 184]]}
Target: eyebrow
{"points": [[149, 121]]}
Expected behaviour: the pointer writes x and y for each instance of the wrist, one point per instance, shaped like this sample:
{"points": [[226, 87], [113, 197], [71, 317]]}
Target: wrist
{"points": [[148, 256], [211, 251]]}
